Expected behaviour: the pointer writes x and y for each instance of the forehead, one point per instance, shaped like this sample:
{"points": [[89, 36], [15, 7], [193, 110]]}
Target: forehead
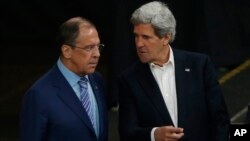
{"points": [[87, 34], [87, 31]]}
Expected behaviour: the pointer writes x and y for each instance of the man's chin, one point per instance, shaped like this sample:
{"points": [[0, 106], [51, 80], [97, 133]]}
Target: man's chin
{"points": [[144, 60], [91, 70]]}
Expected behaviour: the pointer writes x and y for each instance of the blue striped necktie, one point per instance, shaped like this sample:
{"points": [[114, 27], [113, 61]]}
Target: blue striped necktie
{"points": [[84, 97]]}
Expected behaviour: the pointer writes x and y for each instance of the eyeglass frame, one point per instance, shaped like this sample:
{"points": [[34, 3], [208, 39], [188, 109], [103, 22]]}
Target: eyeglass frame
{"points": [[89, 48]]}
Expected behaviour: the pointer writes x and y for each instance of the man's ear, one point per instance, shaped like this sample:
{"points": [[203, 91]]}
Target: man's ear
{"points": [[66, 51], [166, 39]]}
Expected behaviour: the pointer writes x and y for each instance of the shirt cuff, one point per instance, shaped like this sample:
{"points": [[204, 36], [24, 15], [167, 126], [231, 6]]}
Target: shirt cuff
{"points": [[152, 134]]}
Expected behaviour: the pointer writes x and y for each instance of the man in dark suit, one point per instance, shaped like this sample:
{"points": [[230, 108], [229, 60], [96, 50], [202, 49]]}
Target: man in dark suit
{"points": [[68, 102], [170, 94]]}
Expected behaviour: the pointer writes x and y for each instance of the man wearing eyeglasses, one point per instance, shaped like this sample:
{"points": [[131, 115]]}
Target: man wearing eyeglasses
{"points": [[68, 102]]}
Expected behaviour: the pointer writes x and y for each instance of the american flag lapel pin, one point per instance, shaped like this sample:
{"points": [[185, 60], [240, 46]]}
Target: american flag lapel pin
{"points": [[187, 69]]}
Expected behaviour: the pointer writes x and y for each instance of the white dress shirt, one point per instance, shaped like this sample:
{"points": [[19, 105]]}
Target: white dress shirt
{"points": [[165, 78]]}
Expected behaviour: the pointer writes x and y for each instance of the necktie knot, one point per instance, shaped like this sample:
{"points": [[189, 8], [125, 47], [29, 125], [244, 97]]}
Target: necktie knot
{"points": [[83, 82]]}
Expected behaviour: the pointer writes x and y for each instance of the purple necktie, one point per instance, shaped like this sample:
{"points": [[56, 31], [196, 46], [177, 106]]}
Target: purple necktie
{"points": [[84, 97]]}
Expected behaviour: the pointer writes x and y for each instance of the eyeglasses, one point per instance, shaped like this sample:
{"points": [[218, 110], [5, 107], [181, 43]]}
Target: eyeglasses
{"points": [[90, 48]]}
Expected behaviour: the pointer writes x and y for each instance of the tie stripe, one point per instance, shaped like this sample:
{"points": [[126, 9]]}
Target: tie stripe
{"points": [[84, 97]]}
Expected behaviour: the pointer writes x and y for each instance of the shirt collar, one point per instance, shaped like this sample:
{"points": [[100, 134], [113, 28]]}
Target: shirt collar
{"points": [[70, 76], [170, 60]]}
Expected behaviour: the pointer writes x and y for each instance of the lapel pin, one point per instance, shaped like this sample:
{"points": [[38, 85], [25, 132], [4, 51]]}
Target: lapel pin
{"points": [[187, 69]]}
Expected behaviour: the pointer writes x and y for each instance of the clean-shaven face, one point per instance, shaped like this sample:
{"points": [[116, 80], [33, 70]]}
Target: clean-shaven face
{"points": [[150, 48], [83, 61]]}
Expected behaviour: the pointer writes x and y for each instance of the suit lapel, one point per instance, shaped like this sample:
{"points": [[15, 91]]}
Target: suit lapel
{"points": [[68, 96], [181, 86], [153, 92], [96, 91]]}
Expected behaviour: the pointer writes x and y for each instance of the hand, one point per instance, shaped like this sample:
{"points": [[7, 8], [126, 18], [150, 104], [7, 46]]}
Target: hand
{"points": [[168, 133]]}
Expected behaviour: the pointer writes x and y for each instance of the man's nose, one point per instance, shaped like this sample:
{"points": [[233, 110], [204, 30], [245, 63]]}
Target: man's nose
{"points": [[139, 42], [97, 52]]}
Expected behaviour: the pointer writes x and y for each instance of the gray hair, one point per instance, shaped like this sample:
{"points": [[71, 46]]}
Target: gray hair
{"points": [[158, 15]]}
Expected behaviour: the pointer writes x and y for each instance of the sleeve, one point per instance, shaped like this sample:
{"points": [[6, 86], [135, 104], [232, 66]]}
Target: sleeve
{"points": [[217, 107], [152, 134], [33, 118], [129, 128]]}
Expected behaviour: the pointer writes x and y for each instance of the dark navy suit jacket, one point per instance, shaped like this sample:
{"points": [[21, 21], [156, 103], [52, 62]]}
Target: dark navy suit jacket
{"points": [[201, 108], [51, 111]]}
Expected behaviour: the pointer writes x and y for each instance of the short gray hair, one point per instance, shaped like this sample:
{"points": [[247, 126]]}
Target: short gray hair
{"points": [[158, 15]]}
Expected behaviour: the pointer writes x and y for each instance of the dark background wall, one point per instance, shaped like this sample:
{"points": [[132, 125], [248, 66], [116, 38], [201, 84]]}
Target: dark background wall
{"points": [[219, 28], [30, 27]]}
